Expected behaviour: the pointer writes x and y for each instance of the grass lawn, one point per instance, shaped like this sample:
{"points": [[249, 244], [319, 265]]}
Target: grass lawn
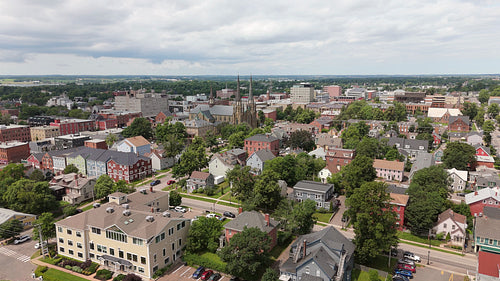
{"points": [[434, 248], [88, 207], [323, 217], [198, 198], [229, 205], [358, 275], [380, 263], [229, 197], [54, 274], [414, 238]]}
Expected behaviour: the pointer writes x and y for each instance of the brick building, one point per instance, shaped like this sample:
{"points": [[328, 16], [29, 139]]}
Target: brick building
{"points": [[14, 152], [15, 133], [259, 142], [96, 143], [73, 126], [459, 124], [128, 167], [389, 170], [337, 158]]}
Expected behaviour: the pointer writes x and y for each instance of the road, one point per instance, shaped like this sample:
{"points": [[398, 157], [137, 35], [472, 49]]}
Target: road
{"points": [[15, 260]]}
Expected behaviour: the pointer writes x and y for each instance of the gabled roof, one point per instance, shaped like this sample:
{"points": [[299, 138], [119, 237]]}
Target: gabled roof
{"points": [[251, 219], [482, 194], [330, 236], [488, 225], [313, 186], [453, 119], [434, 112], [449, 214], [262, 138], [399, 199], [462, 174], [390, 165], [137, 141], [6, 214], [263, 154], [199, 175]]}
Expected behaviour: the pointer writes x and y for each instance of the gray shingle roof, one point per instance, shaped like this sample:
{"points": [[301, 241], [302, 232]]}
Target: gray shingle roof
{"points": [[214, 110], [414, 144], [262, 138], [488, 226], [312, 185], [264, 155], [251, 219], [455, 118]]}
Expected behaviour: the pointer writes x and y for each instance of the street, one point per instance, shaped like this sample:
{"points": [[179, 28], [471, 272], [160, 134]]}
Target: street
{"points": [[15, 260]]}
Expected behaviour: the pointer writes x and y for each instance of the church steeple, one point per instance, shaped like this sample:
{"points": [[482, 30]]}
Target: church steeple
{"points": [[238, 97], [211, 101], [250, 95]]}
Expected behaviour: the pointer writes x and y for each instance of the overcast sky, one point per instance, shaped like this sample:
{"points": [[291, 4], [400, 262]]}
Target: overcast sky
{"points": [[183, 37]]}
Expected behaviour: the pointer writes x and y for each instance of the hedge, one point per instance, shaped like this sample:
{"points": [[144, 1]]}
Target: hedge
{"points": [[40, 270], [195, 259], [104, 274]]}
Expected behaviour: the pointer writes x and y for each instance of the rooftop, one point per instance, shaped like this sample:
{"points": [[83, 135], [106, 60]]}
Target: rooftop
{"points": [[313, 185], [390, 165]]}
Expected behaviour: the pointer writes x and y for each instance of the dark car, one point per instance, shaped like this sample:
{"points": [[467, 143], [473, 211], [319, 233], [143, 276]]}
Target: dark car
{"points": [[199, 271], [403, 272], [205, 275], [400, 278], [214, 277], [229, 214], [234, 278], [155, 182]]}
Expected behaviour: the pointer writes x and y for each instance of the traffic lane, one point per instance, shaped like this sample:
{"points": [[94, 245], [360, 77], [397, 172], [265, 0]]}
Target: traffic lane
{"points": [[202, 205]]}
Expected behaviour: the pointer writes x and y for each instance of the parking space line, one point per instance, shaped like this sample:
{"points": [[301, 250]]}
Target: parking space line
{"points": [[178, 269], [185, 271]]}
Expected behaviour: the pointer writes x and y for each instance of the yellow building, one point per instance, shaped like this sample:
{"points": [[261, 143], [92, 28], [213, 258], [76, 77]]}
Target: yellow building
{"points": [[44, 132], [25, 219], [132, 233]]}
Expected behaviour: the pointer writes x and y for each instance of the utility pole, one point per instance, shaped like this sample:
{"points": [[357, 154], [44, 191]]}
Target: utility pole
{"points": [[42, 247]]}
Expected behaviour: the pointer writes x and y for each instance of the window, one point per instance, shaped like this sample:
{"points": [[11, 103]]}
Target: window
{"points": [[180, 242], [164, 251], [70, 243], [80, 255], [129, 256], [162, 236], [143, 260], [453, 227], [69, 232], [91, 255], [155, 268], [444, 225], [114, 235], [141, 269], [112, 251], [173, 246], [154, 258], [96, 230], [490, 241], [157, 239], [79, 245], [137, 241], [171, 231], [481, 240], [134, 257], [59, 229], [61, 240], [120, 254], [78, 234], [167, 260], [99, 248], [61, 249], [92, 246]]}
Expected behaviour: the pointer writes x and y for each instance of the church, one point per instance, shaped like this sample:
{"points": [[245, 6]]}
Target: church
{"points": [[235, 114]]}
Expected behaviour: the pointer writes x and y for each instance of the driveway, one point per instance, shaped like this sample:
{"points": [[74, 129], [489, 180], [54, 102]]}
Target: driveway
{"points": [[15, 260], [337, 219]]}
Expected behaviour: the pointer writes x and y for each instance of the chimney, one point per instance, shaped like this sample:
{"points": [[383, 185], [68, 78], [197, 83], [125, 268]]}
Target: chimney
{"points": [[151, 188], [152, 210], [475, 193], [240, 209], [305, 248], [76, 176], [267, 219]]}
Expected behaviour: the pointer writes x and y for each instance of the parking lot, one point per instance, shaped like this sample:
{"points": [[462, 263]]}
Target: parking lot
{"points": [[183, 273], [15, 260], [428, 273]]}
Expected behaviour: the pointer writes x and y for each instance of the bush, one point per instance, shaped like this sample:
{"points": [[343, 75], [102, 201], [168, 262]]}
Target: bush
{"points": [[40, 270], [93, 268], [119, 277], [86, 264], [68, 267], [284, 238], [373, 274], [133, 277], [104, 274], [160, 272], [322, 210], [194, 259]]}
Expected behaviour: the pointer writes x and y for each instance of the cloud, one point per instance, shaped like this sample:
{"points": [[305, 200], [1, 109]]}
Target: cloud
{"points": [[262, 37]]}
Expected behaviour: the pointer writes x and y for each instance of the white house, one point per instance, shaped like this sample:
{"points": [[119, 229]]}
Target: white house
{"points": [[454, 224], [458, 179], [158, 162], [258, 159], [324, 174], [224, 161], [138, 145]]}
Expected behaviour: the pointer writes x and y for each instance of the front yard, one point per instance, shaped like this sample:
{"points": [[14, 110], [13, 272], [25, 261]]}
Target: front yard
{"points": [[323, 217]]}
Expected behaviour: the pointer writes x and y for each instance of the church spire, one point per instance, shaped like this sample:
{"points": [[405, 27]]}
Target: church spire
{"points": [[250, 95], [238, 97], [211, 101]]}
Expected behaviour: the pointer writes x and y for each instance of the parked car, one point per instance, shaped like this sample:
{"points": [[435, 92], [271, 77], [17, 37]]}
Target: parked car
{"points": [[403, 272], [411, 256], [214, 277], [180, 209], [400, 278], [229, 214], [406, 261], [39, 245], [170, 182], [199, 271], [206, 274], [210, 216], [406, 267], [22, 239], [234, 278], [155, 182]]}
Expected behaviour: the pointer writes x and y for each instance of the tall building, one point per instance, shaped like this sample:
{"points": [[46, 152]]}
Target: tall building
{"points": [[302, 93], [333, 90], [149, 104], [15, 133]]}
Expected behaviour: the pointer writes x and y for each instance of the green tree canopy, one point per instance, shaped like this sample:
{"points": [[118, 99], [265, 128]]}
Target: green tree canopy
{"points": [[353, 135], [470, 109], [30, 197], [13, 171], [296, 217], [47, 225], [267, 192], [270, 275], [301, 139], [139, 127], [204, 235], [359, 171], [111, 139], [70, 169], [37, 175], [241, 181], [193, 159], [459, 155], [10, 228], [175, 199], [104, 186]]}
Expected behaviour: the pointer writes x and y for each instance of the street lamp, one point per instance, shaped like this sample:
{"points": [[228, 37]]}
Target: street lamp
{"points": [[428, 257]]}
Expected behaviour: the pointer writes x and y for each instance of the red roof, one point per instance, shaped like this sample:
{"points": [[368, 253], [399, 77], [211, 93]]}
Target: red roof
{"points": [[489, 263]]}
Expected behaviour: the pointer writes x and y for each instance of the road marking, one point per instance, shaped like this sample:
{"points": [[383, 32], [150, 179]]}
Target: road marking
{"points": [[11, 253], [222, 278], [178, 269], [185, 271]]}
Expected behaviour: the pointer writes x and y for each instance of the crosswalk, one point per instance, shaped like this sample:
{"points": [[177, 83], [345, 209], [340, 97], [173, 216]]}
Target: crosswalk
{"points": [[10, 253]]}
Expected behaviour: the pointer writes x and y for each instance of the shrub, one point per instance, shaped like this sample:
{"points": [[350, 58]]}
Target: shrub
{"points": [[133, 277], [322, 210], [373, 274], [119, 277], [104, 274], [68, 267], [40, 270], [194, 259], [157, 273], [86, 264], [93, 268], [284, 237]]}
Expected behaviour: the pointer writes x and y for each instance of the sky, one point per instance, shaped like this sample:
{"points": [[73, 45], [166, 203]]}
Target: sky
{"points": [[228, 37]]}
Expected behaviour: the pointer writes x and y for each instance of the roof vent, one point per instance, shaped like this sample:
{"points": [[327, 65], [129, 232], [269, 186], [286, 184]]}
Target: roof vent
{"points": [[126, 212], [480, 214], [150, 218], [125, 206], [166, 214], [97, 205], [110, 210], [144, 191]]}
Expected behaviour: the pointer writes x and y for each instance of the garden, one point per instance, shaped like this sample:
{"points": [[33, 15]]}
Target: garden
{"points": [[87, 268]]}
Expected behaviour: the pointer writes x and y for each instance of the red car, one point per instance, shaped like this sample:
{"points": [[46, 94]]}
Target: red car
{"points": [[406, 267], [170, 182], [207, 274]]}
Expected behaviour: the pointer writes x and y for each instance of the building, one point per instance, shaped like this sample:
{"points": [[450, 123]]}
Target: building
{"points": [[25, 219], [158, 162], [252, 219], [479, 199], [475, 138], [487, 231], [148, 104], [70, 141], [423, 160], [199, 180], [162, 116], [138, 145], [459, 124], [488, 265], [399, 202], [73, 126], [128, 167], [389, 170], [494, 100], [410, 147], [77, 187], [96, 143], [321, 193], [198, 127], [15, 133], [324, 255], [14, 152], [225, 161], [483, 156], [333, 90], [409, 97], [323, 123], [458, 179], [258, 159], [44, 132], [302, 93], [337, 158], [126, 235], [259, 142], [454, 224], [442, 115]]}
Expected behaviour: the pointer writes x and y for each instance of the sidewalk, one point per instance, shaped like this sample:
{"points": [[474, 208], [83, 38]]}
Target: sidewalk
{"points": [[37, 261]]}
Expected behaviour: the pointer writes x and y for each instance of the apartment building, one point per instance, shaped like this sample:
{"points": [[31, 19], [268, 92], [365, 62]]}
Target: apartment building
{"points": [[44, 132], [302, 93], [73, 126], [260, 142], [149, 104], [14, 152], [133, 233], [15, 133]]}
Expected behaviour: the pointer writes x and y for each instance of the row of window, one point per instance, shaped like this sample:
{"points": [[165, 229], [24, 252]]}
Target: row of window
{"points": [[70, 252], [69, 231], [483, 240]]}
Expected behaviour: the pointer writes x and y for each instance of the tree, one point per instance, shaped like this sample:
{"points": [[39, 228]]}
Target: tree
{"points": [[271, 275], [301, 139], [139, 127], [104, 186], [173, 137], [267, 192], [70, 169], [493, 110], [69, 210], [374, 220], [204, 235], [428, 194], [13, 171], [193, 159], [10, 229], [470, 109], [175, 199], [37, 175], [353, 134], [484, 96], [480, 117], [296, 217], [111, 139], [121, 186], [31, 197], [359, 171], [262, 117], [241, 181], [489, 126], [237, 139], [459, 155], [247, 252], [48, 228]]}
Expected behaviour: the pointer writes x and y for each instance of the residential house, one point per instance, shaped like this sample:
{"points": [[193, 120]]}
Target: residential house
{"points": [[327, 141], [423, 160], [458, 179], [474, 138], [322, 123], [289, 128], [457, 136], [459, 124], [321, 193], [126, 235], [26, 220], [437, 139], [97, 162], [128, 167], [323, 255], [259, 142], [138, 145], [487, 231], [79, 158], [162, 116], [484, 177], [482, 198], [225, 161], [319, 152], [487, 266], [252, 219], [35, 160], [198, 127], [410, 147], [399, 202], [337, 158], [199, 180], [454, 224], [483, 156], [258, 159], [389, 170], [159, 162], [77, 187], [324, 174]]}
